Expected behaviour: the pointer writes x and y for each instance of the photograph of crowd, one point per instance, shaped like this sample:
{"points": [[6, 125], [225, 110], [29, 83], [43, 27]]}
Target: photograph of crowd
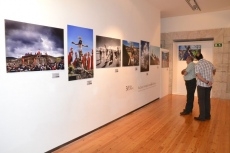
{"points": [[130, 53], [31, 47], [144, 56], [154, 54], [165, 59], [80, 53], [108, 52], [188, 50]]}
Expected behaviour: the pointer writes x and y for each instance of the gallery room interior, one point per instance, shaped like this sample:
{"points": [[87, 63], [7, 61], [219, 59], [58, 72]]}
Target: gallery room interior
{"points": [[94, 63]]}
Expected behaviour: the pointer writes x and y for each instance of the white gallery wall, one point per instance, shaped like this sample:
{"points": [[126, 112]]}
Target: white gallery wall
{"points": [[203, 21], [38, 112]]}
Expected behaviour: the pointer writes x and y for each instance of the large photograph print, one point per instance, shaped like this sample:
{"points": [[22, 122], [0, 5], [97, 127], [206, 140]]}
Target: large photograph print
{"points": [[165, 59], [31, 47], [108, 52], [130, 53], [144, 56], [80, 53], [154, 55], [188, 50]]}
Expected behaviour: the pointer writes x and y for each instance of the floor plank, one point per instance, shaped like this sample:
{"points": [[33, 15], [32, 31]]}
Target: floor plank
{"points": [[158, 127]]}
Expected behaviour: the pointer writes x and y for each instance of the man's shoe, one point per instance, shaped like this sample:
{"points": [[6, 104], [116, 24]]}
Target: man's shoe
{"points": [[199, 119], [184, 113]]}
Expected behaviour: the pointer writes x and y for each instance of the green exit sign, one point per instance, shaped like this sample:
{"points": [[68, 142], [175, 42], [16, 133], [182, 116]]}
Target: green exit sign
{"points": [[218, 45]]}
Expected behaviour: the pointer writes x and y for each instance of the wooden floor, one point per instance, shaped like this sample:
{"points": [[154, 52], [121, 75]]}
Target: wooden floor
{"points": [[158, 127]]}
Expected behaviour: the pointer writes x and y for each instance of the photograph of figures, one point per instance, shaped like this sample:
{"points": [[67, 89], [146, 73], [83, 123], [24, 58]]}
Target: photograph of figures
{"points": [[144, 56], [80, 53], [108, 52], [165, 59], [130, 53], [31, 47], [154, 54], [188, 50]]}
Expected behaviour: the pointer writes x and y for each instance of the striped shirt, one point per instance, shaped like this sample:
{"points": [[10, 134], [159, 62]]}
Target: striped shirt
{"points": [[205, 69]]}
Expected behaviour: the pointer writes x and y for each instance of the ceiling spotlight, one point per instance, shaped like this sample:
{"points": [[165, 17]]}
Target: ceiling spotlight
{"points": [[193, 4]]}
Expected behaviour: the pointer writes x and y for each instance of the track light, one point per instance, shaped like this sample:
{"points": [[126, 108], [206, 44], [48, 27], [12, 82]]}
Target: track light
{"points": [[193, 4]]}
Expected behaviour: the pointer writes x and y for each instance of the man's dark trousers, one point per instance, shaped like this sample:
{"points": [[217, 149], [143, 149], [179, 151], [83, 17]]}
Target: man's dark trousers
{"points": [[190, 87], [204, 102]]}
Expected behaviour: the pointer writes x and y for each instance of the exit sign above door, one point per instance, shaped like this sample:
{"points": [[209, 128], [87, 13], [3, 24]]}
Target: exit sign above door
{"points": [[218, 45]]}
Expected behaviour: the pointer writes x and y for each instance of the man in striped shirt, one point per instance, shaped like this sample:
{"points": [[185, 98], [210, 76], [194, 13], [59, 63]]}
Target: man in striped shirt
{"points": [[204, 72]]}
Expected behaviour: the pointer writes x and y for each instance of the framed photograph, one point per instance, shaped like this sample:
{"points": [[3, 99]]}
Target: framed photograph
{"points": [[80, 53], [130, 53], [108, 52], [165, 59], [31, 47], [188, 50], [154, 55], [144, 56]]}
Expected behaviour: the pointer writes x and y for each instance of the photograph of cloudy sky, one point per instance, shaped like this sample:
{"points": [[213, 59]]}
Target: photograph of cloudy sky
{"points": [[31, 47]]}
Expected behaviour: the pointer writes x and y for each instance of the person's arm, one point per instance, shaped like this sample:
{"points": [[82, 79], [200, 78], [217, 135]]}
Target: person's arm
{"points": [[203, 80], [188, 69], [214, 71], [74, 43], [184, 72]]}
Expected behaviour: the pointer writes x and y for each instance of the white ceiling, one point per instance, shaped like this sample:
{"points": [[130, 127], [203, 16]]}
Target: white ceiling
{"points": [[172, 8]]}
